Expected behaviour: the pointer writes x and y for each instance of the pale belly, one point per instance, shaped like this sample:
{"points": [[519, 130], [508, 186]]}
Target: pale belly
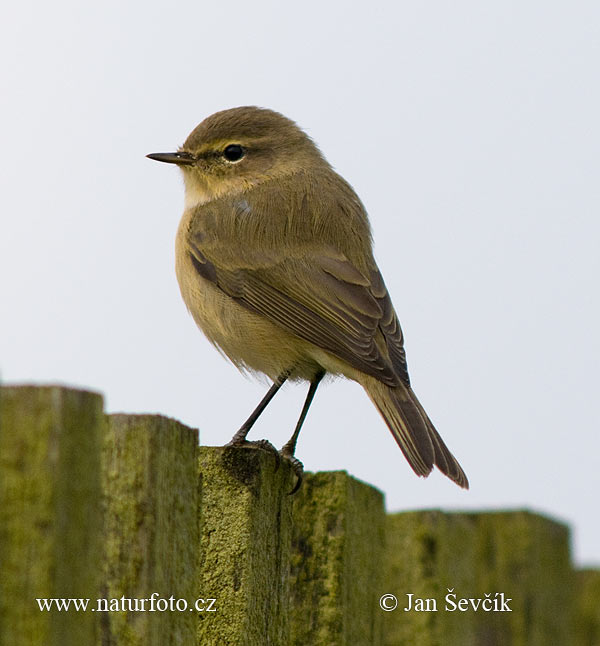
{"points": [[250, 341]]}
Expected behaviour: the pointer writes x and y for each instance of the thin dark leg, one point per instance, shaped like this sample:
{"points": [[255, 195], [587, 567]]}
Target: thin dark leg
{"points": [[240, 436], [290, 446]]}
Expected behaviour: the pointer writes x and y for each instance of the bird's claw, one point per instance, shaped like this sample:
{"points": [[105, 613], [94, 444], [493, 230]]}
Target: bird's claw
{"points": [[260, 444], [297, 467], [285, 453]]}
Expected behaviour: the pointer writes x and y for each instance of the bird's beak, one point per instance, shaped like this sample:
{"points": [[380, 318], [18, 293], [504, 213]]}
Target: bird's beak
{"points": [[181, 158]]}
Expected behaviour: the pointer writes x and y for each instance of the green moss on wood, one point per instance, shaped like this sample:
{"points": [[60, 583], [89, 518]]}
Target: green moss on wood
{"points": [[337, 561], [527, 556], [428, 552], [49, 512], [586, 609], [129, 505], [245, 547], [524, 555], [151, 527]]}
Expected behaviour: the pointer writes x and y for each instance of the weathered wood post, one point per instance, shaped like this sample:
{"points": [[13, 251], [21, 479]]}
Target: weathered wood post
{"points": [[150, 531], [50, 516], [245, 547], [165, 542], [518, 561], [282, 569], [337, 562]]}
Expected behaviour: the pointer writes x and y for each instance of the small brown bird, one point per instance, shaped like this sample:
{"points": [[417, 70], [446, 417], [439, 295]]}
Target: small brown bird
{"points": [[274, 261]]}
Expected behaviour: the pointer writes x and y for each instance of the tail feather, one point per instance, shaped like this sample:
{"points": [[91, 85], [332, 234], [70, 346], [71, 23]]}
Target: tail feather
{"points": [[444, 460], [413, 431]]}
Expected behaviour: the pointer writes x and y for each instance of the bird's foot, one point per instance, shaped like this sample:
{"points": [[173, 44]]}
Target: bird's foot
{"points": [[265, 445], [297, 467]]}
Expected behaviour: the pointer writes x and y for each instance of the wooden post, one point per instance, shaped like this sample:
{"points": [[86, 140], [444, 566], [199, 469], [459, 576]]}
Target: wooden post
{"points": [[428, 552], [519, 559], [337, 562], [527, 556], [586, 611], [245, 547], [158, 541], [49, 513], [151, 531]]}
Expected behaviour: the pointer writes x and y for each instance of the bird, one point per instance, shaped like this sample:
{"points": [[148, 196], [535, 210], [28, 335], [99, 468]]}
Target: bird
{"points": [[274, 260]]}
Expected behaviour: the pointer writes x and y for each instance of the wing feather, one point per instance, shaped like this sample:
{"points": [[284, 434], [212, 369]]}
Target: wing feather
{"points": [[320, 298]]}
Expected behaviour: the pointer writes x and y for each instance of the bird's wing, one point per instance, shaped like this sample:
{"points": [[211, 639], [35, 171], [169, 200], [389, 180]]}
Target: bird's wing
{"points": [[315, 291], [319, 296]]}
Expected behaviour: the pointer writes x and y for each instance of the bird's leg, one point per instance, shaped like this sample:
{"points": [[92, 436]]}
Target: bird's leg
{"points": [[240, 437], [288, 449]]}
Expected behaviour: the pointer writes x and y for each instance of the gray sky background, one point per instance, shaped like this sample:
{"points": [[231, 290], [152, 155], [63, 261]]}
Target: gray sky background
{"points": [[469, 129]]}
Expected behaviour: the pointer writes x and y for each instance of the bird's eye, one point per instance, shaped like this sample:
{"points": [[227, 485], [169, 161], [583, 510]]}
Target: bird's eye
{"points": [[233, 152]]}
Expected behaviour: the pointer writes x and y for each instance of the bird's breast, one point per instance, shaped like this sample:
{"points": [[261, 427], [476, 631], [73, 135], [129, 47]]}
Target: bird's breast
{"points": [[250, 341]]}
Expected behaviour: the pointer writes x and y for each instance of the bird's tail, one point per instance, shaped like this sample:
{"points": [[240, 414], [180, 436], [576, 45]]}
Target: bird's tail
{"points": [[413, 431]]}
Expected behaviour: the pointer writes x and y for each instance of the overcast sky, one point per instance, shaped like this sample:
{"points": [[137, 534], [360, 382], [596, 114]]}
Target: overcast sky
{"points": [[471, 132]]}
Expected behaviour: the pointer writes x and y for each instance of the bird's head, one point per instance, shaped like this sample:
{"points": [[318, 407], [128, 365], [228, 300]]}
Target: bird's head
{"points": [[236, 149]]}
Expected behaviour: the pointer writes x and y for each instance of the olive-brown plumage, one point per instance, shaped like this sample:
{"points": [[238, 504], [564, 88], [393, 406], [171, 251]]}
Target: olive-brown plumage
{"points": [[274, 261]]}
